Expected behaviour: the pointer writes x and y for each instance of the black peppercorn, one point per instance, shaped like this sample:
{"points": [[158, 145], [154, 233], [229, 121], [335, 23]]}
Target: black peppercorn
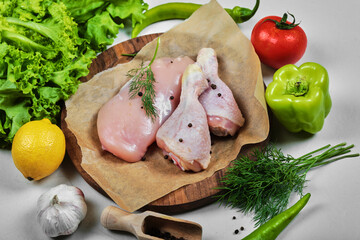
{"points": [[219, 94], [213, 86], [166, 156], [140, 94], [236, 231], [180, 140], [171, 97], [234, 217], [242, 228], [167, 235], [190, 125]]}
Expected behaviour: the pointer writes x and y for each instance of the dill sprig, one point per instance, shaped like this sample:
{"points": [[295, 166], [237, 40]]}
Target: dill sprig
{"points": [[262, 182], [142, 84]]}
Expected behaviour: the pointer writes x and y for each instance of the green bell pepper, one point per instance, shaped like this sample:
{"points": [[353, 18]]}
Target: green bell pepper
{"points": [[299, 97]]}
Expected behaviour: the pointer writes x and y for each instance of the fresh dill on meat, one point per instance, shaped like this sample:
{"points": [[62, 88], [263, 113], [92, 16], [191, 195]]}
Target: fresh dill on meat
{"points": [[142, 80], [262, 182]]}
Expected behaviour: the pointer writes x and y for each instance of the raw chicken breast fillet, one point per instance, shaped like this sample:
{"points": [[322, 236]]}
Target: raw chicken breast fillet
{"points": [[123, 127], [185, 136], [223, 113]]}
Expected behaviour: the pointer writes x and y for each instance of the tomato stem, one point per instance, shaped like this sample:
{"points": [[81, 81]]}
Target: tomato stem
{"points": [[283, 24]]}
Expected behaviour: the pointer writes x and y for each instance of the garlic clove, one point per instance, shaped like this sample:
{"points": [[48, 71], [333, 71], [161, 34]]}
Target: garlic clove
{"points": [[60, 210]]}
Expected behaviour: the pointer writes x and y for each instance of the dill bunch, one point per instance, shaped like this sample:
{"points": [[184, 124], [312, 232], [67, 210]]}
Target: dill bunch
{"points": [[262, 182], [142, 81]]}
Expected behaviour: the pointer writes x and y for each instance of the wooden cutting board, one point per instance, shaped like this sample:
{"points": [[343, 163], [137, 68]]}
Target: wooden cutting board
{"points": [[186, 198]]}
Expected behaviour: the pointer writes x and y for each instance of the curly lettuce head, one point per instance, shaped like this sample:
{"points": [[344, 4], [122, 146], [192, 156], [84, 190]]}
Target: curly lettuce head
{"points": [[41, 60], [45, 47]]}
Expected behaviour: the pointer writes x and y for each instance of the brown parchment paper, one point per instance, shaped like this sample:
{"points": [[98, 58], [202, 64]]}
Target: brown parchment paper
{"points": [[134, 185]]}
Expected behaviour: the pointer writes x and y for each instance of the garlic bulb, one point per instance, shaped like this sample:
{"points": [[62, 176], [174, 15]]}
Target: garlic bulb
{"points": [[60, 210]]}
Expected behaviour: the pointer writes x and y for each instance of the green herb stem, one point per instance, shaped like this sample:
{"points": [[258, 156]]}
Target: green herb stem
{"points": [[326, 157], [156, 50], [129, 54]]}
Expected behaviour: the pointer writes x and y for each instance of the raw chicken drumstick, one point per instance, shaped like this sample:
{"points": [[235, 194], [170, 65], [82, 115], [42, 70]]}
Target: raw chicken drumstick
{"points": [[185, 135], [223, 114], [123, 127]]}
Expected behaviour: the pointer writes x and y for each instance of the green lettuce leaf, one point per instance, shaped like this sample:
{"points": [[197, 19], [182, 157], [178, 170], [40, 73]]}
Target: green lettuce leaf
{"points": [[14, 111], [126, 9], [100, 21], [101, 30]]}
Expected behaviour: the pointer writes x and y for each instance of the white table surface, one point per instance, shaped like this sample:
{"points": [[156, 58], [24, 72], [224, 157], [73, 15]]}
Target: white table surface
{"points": [[334, 208]]}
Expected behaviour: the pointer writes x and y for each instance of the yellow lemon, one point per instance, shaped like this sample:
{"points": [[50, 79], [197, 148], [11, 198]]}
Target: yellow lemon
{"points": [[38, 149]]}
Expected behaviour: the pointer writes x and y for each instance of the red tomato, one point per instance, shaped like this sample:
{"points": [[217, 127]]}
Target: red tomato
{"points": [[278, 47]]}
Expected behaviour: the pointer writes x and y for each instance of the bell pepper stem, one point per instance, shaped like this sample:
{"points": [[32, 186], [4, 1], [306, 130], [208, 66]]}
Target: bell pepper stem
{"points": [[297, 87]]}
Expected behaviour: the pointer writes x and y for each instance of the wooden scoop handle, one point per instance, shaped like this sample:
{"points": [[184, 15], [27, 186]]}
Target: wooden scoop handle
{"points": [[114, 218], [142, 224]]}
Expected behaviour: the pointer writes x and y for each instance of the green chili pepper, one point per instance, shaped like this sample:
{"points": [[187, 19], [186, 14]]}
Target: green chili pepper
{"points": [[299, 97], [179, 10], [272, 228]]}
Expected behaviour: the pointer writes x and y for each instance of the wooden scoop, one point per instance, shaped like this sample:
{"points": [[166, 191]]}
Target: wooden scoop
{"points": [[149, 225]]}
